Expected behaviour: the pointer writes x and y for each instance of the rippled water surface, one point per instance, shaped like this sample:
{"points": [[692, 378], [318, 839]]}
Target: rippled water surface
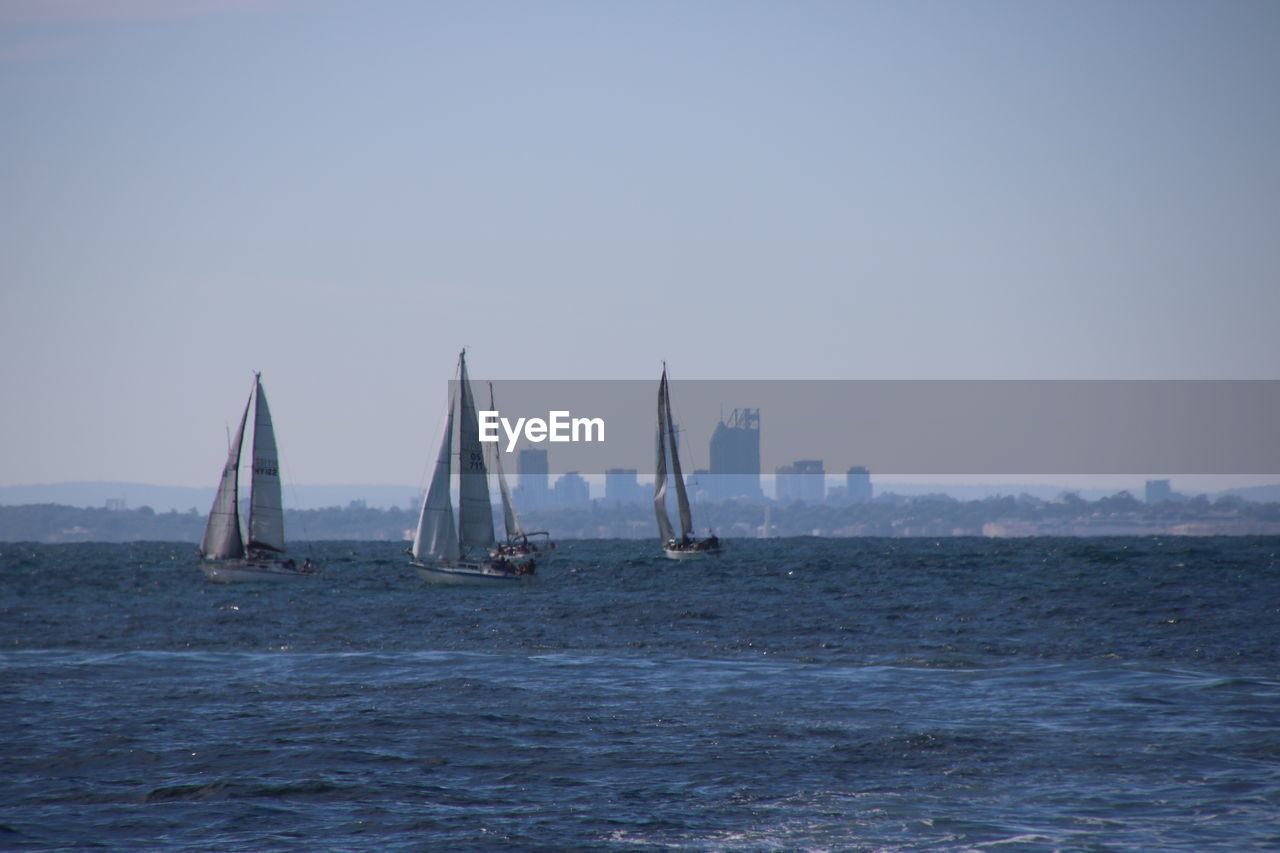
{"points": [[862, 695]]}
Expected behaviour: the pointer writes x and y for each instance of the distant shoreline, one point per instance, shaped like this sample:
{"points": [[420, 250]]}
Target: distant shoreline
{"points": [[888, 515], [119, 495]]}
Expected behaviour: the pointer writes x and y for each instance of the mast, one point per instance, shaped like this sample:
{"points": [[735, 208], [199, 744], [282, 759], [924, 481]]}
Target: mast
{"points": [[510, 520], [222, 539], [660, 478], [475, 513], [266, 510]]}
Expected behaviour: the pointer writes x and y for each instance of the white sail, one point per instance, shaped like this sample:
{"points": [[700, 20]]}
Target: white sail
{"points": [[222, 539], [510, 519], [266, 511], [660, 477], [437, 538], [475, 513], [682, 496]]}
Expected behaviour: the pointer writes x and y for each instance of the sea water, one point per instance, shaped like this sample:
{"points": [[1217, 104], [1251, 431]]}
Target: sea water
{"points": [[801, 694]]}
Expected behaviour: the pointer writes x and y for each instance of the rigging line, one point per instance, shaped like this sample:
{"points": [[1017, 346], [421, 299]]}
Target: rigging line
{"points": [[678, 428], [297, 502], [702, 503]]}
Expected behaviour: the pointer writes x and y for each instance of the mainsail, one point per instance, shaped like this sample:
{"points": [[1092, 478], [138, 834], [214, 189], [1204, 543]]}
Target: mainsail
{"points": [[475, 513], [660, 477], [682, 497], [666, 438], [266, 511], [510, 520], [222, 539]]}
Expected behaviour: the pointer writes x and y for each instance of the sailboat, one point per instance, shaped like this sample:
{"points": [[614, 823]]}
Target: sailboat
{"points": [[445, 552], [226, 557], [522, 547], [686, 547]]}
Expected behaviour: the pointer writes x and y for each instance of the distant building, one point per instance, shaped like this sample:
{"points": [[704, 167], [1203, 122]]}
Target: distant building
{"points": [[858, 485], [802, 480], [1160, 491], [534, 487], [621, 486], [572, 490], [735, 458]]}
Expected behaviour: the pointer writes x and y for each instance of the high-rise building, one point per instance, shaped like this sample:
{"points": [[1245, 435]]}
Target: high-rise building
{"points": [[572, 490], [1158, 491], [534, 487], [621, 486], [735, 458], [802, 480], [858, 485]]}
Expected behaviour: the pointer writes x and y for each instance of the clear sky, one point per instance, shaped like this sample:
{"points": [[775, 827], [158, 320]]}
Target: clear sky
{"points": [[343, 194]]}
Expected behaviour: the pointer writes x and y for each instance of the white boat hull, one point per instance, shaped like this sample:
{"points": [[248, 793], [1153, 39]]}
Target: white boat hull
{"points": [[468, 574], [242, 571]]}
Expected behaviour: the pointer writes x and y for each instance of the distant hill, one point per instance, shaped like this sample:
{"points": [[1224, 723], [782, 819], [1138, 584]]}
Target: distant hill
{"points": [[976, 492], [186, 498], [1257, 494], [887, 515], [58, 523]]}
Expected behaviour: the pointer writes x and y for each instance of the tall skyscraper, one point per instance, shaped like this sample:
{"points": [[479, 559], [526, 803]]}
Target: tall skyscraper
{"points": [[1158, 491], [735, 458], [572, 490], [534, 487], [621, 486], [858, 485], [802, 480]]}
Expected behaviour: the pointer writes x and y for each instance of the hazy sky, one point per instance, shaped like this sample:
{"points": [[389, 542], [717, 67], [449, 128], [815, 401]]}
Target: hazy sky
{"points": [[343, 194]]}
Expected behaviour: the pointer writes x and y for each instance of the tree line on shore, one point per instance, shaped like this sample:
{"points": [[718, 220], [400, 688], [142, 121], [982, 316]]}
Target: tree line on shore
{"points": [[887, 515]]}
